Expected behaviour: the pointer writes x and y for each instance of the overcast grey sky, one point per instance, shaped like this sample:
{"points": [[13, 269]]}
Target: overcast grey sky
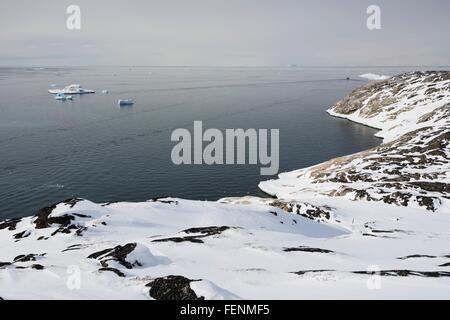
{"points": [[225, 33]]}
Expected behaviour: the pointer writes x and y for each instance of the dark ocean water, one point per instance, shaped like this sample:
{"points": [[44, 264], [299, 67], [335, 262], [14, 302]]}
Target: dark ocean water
{"points": [[92, 148]]}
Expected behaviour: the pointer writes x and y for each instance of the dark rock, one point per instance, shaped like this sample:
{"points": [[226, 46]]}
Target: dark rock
{"points": [[375, 236], [192, 239], [406, 273], [44, 221], [164, 200], [65, 230], [172, 288], [80, 231], [390, 231], [72, 201], [28, 257], [116, 271], [432, 186], [428, 202], [302, 272], [118, 253], [73, 247], [208, 231], [22, 234], [382, 231], [416, 256], [307, 249], [10, 224], [389, 273], [202, 231], [37, 267], [398, 198], [311, 212], [98, 254]]}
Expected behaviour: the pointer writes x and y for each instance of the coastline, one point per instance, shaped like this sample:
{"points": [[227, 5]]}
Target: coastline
{"points": [[405, 117], [331, 226]]}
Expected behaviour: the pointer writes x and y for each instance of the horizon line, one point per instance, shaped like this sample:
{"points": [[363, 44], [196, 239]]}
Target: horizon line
{"points": [[293, 66]]}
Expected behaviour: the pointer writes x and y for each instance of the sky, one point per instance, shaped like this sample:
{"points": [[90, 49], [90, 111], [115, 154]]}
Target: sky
{"points": [[225, 33]]}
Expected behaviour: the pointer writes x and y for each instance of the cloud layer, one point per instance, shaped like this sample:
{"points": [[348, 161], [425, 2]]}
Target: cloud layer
{"points": [[225, 33]]}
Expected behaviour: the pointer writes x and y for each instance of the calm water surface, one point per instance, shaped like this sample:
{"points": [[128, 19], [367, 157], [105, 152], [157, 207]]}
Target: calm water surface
{"points": [[91, 148]]}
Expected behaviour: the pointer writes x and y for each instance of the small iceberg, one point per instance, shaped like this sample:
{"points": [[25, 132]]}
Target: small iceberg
{"points": [[125, 102], [63, 97], [71, 89]]}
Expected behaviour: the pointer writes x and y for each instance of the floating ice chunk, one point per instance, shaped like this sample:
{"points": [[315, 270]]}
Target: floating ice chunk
{"points": [[125, 102], [374, 77]]}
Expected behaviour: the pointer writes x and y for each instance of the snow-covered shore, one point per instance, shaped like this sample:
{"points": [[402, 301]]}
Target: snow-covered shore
{"points": [[411, 168], [374, 225]]}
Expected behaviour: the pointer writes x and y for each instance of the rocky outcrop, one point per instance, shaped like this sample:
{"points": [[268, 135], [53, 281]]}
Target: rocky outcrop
{"points": [[172, 288], [198, 234], [20, 262], [304, 209], [118, 254], [66, 223], [9, 224], [307, 249]]}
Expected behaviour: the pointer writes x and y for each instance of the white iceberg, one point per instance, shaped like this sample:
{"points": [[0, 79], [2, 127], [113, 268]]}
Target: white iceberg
{"points": [[71, 89], [125, 102]]}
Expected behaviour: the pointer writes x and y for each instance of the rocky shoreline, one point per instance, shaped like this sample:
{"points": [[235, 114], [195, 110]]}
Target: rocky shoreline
{"points": [[410, 168]]}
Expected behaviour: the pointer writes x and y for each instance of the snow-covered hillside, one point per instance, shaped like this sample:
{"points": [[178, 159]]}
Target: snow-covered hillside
{"points": [[237, 248], [314, 241], [411, 168]]}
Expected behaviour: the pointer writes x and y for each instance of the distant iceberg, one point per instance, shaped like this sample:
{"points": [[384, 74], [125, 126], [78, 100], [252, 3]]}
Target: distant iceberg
{"points": [[374, 77], [71, 89], [125, 102]]}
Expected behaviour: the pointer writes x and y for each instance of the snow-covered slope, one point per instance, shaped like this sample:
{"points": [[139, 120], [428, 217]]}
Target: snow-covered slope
{"points": [[411, 168], [237, 248], [396, 106], [314, 241]]}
